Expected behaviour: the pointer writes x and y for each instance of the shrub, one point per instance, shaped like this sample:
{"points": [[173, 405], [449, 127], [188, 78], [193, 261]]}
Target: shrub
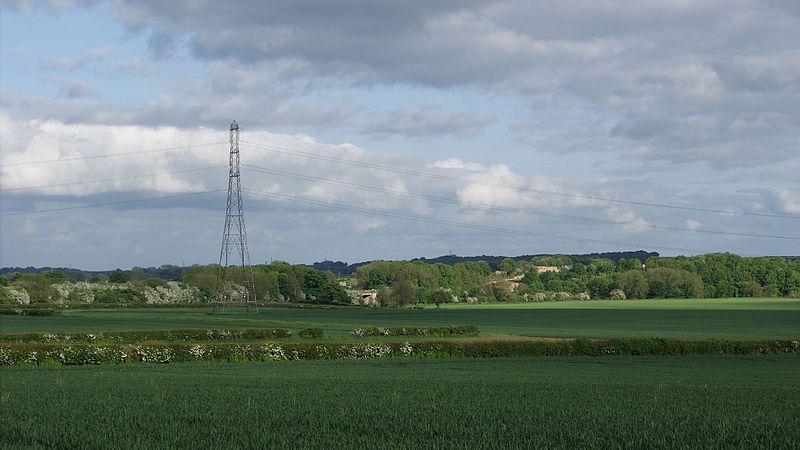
{"points": [[617, 294], [124, 295], [28, 311], [119, 277], [311, 333]]}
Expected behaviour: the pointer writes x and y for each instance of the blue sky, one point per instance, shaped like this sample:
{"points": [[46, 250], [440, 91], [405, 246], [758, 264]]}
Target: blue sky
{"points": [[676, 103]]}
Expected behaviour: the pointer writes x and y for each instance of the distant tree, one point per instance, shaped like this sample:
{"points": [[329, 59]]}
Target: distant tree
{"points": [[673, 283], [440, 296], [377, 278], [634, 283], [628, 264], [600, 286], [509, 267], [404, 292], [500, 290], [36, 285], [314, 285], [119, 277], [55, 276], [598, 266], [286, 287], [533, 282]]}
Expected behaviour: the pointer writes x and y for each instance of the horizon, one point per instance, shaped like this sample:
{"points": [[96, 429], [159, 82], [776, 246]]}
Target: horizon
{"points": [[363, 262]]}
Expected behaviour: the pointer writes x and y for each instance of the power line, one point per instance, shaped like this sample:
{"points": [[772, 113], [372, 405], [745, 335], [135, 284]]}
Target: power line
{"points": [[96, 205], [459, 224], [105, 180], [500, 185], [504, 208], [109, 155]]}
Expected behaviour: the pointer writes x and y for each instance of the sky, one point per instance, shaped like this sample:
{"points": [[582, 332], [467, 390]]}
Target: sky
{"points": [[395, 130]]}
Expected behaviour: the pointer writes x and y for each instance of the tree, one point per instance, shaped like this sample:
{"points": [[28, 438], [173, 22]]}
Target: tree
{"points": [[36, 285], [599, 266], [440, 296], [377, 278], [119, 277], [314, 285], [634, 283], [533, 281], [404, 292], [628, 264], [600, 286], [508, 266], [55, 276]]}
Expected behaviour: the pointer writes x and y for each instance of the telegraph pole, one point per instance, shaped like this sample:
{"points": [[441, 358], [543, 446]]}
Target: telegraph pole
{"points": [[234, 241]]}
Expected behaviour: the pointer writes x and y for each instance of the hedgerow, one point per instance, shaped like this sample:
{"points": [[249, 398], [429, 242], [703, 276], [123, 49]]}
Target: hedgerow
{"points": [[29, 311], [468, 330], [311, 333], [157, 335], [155, 352]]}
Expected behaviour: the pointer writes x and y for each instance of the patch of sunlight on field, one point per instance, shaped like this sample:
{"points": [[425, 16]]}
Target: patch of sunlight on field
{"points": [[690, 303]]}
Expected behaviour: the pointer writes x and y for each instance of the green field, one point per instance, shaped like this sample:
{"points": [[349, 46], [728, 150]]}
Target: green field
{"points": [[643, 402], [695, 318]]}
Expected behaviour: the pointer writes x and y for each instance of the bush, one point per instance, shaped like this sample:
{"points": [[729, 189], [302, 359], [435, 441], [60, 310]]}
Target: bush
{"points": [[119, 277], [28, 311], [617, 294], [124, 295], [311, 333]]}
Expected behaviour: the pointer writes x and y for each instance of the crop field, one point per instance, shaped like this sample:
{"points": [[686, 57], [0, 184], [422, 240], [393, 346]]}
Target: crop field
{"points": [[643, 402], [707, 400], [684, 319]]}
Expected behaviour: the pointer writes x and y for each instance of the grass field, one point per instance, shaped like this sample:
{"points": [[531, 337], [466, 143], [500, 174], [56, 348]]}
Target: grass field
{"points": [[696, 318], [643, 402]]}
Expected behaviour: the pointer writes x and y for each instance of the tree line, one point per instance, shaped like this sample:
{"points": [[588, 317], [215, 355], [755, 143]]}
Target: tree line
{"points": [[274, 282], [711, 275], [402, 283]]}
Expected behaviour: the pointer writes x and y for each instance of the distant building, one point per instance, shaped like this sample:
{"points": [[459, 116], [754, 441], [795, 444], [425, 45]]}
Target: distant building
{"points": [[543, 269], [366, 297], [514, 282]]}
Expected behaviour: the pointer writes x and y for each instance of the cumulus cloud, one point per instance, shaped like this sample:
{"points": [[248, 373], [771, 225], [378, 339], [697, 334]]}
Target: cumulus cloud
{"points": [[785, 200], [693, 224]]}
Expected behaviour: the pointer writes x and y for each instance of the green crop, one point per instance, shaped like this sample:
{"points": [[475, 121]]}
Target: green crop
{"points": [[706, 319], [639, 402]]}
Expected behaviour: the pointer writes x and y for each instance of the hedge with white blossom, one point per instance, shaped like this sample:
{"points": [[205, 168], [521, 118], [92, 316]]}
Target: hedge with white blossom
{"points": [[111, 353]]}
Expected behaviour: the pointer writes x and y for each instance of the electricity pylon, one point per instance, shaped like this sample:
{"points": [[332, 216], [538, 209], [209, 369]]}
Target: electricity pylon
{"points": [[234, 241]]}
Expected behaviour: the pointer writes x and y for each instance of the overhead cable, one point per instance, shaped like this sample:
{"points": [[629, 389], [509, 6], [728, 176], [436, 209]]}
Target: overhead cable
{"points": [[442, 177]]}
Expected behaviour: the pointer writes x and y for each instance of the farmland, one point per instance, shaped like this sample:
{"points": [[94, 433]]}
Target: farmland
{"points": [[684, 319], [694, 401], [698, 400]]}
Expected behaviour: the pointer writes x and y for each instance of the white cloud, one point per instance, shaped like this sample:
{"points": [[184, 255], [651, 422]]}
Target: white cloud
{"points": [[367, 224], [787, 201], [455, 163], [632, 222]]}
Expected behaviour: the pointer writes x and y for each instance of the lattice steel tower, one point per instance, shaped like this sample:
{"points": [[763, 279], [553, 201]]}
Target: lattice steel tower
{"points": [[234, 240]]}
